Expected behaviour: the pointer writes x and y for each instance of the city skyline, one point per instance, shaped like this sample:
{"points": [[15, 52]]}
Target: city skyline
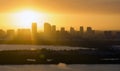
{"points": [[51, 28], [50, 34], [34, 28], [61, 33], [100, 14]]}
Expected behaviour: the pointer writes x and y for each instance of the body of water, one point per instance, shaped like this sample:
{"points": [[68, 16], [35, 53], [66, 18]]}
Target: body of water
{"points": [[60, 67], [35, 47]]}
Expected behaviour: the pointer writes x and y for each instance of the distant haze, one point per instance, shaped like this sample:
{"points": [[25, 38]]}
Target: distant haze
{"points": [[99, 14]]}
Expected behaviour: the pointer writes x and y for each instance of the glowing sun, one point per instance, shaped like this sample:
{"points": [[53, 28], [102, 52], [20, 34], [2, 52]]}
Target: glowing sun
{"points": [[26, 17]]}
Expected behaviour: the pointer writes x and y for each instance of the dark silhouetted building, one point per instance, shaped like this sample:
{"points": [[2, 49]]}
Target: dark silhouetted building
{"points": [[90, 32], [10, 34], [34, 29], [72, 30], [81, 30], [89, 29], [108, 34], [47, 28], [53, 28], [2, 34], [24, 34], [62, 30], [118, 35]]}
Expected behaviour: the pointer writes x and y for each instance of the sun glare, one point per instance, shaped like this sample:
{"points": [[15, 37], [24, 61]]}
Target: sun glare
{"points": [[26, 17]]}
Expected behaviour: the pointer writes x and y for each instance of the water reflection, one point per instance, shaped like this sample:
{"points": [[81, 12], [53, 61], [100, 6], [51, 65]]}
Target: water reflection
{"points": [[60, 67], [35, 47]]}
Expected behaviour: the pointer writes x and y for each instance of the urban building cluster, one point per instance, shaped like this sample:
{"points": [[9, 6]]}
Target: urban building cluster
{"points": [[50, 33]]}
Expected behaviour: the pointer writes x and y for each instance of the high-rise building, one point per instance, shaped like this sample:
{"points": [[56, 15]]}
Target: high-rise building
{"points": [[53, 28], [89, 29], [2, 34], [24, 34], [62, 29], [34, 28], [81, 30], [10, 34], [90, 32], [72, 30], [47, 28]]}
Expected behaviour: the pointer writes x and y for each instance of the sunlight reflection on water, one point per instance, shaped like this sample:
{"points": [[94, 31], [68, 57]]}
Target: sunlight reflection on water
{"points": [[35, 47], [60, 67]]}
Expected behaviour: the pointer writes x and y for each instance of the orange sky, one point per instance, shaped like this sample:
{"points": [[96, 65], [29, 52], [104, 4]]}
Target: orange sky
{"points": [[100, 14]]}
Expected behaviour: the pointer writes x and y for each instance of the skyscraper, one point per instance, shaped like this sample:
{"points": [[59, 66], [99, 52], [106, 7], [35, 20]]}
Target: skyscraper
{"points": [[47, 28], [89, 29], [53, 28], [34, 28], [90, 32], [81, 30], [72, 30], [62, 29]]}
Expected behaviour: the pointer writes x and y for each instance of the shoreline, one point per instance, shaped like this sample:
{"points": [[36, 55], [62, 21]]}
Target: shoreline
{"points": [[82, 43]]}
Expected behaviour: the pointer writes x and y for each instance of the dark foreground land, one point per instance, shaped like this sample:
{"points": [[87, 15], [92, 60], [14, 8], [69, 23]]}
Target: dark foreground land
{"points": [[45, 56], [97, 52]]}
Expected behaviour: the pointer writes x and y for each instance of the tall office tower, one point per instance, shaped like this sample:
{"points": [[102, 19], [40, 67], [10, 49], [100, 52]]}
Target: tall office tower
{"points": [[34, 28], [47, 28], [53, 28], [81, 30], [89, 29], [90, 33], [62, 29], [72, 30]]}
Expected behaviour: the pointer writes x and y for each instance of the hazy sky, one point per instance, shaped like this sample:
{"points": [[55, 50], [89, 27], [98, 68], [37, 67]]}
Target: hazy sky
{"points": [[100, 14], [61, 6]]}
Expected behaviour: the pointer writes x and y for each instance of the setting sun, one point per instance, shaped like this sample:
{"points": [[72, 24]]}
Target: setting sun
{"points": [[26, 17]]}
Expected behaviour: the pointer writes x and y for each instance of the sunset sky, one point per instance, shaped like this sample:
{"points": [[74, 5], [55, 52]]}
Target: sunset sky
{"points": [[99, 14]]}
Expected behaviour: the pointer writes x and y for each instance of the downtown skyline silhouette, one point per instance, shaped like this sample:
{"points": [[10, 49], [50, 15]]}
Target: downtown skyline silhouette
{"points": [[59, 32], [52, 36]]}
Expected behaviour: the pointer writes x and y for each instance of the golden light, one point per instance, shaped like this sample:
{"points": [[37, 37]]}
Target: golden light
{"points": [[23, 19]]}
